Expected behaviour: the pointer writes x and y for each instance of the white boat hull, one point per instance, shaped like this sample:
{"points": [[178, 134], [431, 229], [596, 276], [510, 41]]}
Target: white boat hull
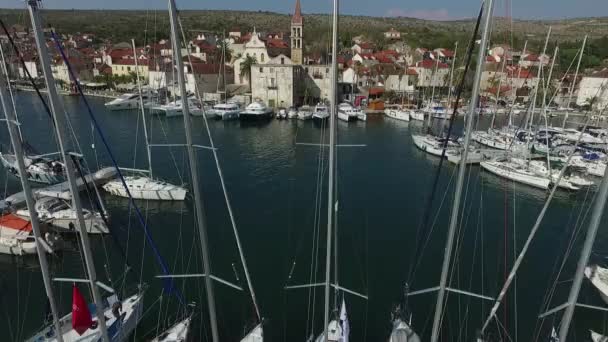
{"points": [[398, 114], [418, 116], [177, 333], [38, 174], [168, 193], [119, 330], [595, 337], [520, 176]]}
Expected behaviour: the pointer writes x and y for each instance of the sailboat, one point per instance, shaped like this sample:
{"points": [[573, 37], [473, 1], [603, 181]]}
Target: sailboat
{"points": [[595, 337], [145, 187], [40, 169], [115, 319], [180, 329], [60, 214]]}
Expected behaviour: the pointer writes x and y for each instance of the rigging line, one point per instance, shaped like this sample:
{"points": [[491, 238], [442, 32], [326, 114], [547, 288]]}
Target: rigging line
{"points": [[226, 197], [432, 228], [101, 212], [159, 259], [27, 72], [430, 200], [533, 231]]}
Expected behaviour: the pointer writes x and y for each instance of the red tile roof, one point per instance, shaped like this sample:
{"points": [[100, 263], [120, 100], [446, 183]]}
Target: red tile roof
{"points": [[532, 58], [411, 72], [276, 43], [430, 64]]}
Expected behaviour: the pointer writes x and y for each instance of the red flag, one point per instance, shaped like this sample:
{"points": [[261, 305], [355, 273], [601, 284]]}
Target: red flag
{"points": [[81, 317]]}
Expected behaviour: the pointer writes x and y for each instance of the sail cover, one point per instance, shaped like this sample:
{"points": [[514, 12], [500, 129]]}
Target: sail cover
{"points": [[81, 317]]}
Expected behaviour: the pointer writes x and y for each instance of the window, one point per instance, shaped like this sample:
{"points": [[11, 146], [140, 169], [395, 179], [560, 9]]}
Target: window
{"points": [[327, 70], [271, 70], [262, 57], [128, 68], [261, 69], [282, 60]]}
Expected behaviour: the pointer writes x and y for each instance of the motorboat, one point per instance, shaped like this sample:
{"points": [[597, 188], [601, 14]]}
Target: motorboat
{"points": [[256, 111], [39, 169], [438, 111], [305, 113], [226, 111], [292, 113], [398, 114], [59, 214], [122, 317], [146, 188], [174, 108], [346, 112], [321, 112], [282, 113], [176, 333], [131, 101]]}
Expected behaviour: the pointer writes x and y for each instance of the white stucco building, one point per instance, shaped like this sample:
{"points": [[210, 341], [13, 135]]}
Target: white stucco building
{"points": [[594, 88], [277, 85], [255, 48]]}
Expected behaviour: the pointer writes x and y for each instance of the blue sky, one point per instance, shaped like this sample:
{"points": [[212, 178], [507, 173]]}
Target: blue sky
{"points": [[437, 9]]}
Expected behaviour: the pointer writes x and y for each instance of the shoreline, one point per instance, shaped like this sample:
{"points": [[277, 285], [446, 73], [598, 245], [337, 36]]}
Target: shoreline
{"points": [[100, 94]]}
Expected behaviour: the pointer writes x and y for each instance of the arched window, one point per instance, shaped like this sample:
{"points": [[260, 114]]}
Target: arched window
{"points": [[262, 57]]}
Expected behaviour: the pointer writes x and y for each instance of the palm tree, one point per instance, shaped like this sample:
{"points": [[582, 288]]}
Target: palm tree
{"points": [[246, 67]]}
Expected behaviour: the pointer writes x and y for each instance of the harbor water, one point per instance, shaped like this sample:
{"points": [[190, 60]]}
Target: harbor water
{"points": [[275, 174]]}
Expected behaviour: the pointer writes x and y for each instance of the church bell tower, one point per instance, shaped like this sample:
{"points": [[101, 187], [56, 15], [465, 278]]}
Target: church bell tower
{"points": [[297, 23]]}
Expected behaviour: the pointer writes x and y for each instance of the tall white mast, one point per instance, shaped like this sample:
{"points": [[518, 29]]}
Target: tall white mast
{"points": [[332, 165], [488, 9], [434, 74], [143, 111], [60, 121], [578, 65], [538, 77], [518, 77], [11, 122], [598, 212], [194, 173], [452, 74], [545, 105]]}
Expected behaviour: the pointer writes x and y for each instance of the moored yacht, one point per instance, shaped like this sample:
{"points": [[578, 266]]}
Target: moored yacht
{"points": [[58, 213], [130, 101], [305, 113], [39, 169], [175, 108], [256, 111], [433, 145], [146, 188], [398, 113], [292, 113], [346, 112], [321, 112], [417, 115], [176, 333], [226, 111]]}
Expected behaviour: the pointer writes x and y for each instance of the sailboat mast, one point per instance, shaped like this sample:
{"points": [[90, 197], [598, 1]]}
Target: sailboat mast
{"points": [[332, 165], [578, 65], [194, 173], [224, 68], [452, 75], [502, 71], [545, 105], [598, 212], [518, 77], [433, 91], [488, 8], [538, 77], [143, 111], [11, 122], [60, 119]]}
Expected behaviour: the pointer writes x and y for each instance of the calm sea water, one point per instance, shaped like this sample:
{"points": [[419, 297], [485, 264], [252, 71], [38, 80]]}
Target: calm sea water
{"points": [[273, 181]]}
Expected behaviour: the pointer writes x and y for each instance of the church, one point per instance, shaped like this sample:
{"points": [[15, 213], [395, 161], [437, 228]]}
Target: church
{"points": [[267, 52]]}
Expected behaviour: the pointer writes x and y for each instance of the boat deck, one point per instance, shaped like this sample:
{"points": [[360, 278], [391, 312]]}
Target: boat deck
{"points": [[62, 190]]}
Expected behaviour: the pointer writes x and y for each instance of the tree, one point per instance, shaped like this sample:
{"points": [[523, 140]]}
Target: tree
{"points": [[221, 45], [246, 67]]}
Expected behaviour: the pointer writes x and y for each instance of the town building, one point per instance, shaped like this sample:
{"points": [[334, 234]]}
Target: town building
{"points": [[297, 36], [592, 90], [392, 34], [278, 85], [432, 73]]}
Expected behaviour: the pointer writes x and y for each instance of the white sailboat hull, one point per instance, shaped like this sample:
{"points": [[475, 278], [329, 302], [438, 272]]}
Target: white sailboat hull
{"points": [[517, 175], [397, 114], [595, 337], [118, 330], [15, 246], [147, 189], [177, 333], [402, 332], [38, 172], [255, 335], [418, 116], [428, 145]]}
